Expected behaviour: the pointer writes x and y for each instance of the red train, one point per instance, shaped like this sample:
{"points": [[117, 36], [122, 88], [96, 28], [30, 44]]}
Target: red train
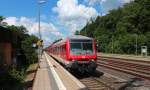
{"points": [[75, 52]]}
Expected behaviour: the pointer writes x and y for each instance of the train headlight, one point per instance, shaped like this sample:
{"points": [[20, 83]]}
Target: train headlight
{"points": [[93, 60]]}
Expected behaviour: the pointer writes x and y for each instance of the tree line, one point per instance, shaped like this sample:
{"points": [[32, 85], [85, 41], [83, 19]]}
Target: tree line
{"points": [[122, 29], [22, 42]]}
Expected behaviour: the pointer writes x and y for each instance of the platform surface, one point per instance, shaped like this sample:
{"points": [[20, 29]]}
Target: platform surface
{"points": [[44, 79], [133, 57], [69, 81], [52, 76]]}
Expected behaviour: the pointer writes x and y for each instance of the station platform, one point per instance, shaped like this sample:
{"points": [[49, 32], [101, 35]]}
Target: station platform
{"points": [[133, 57], [43, 79], [52, 76]]}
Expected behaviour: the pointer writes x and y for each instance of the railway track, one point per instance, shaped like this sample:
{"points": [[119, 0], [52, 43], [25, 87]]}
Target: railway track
{"points": [[94, 84], [104, 82], [98, 81], [124, 59], [134, 67], [92, 81]]}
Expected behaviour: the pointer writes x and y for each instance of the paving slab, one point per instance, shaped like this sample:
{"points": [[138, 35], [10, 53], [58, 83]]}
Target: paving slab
{"points": [[44, 80]]}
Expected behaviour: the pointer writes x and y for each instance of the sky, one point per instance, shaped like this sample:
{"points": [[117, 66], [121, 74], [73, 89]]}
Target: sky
{"points": [[59, 18]]}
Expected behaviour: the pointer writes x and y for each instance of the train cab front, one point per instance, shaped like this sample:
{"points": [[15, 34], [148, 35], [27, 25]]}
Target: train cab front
{"points": [[83, 55]]}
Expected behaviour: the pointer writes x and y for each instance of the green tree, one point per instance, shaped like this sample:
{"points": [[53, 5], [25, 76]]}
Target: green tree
{"points": [[1, 18], [29, 50], [118, 29], [12, 77], [77, 33]]}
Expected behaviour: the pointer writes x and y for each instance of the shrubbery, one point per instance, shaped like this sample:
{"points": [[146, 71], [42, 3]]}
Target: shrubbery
{"points": [[12, 77]]}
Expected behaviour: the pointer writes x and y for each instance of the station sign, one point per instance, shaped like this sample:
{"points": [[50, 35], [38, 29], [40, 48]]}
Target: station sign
{"points": [[39, 43], [144, 50]]}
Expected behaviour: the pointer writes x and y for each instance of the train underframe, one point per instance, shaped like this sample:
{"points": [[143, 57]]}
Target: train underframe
{"points": [[82, 66]]}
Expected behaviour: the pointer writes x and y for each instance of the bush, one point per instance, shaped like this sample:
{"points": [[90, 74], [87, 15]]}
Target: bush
{"points": [[16, 74], [11, 79], [29, 50]]}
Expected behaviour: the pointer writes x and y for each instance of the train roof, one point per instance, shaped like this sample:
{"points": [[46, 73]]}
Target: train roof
{"points": [[79, 37], [72, 37]]}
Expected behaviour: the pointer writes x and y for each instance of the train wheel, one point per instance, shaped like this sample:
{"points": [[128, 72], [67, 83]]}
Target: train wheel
{"points": [[92, 67], [92, 70]]}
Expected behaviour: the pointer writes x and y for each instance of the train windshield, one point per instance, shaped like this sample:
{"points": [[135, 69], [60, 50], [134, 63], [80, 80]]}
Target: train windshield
{"points": [[81, 48]]}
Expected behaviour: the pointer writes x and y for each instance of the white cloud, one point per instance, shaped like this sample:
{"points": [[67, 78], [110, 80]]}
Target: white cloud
{"points": [[73, 15], [125, 1], [92, 2], [104, 6], [47, 29], [11, 20]]}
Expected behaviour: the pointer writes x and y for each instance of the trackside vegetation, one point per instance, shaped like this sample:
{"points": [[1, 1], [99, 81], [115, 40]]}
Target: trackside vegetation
{"points": [[23, 54], [120, 29]]}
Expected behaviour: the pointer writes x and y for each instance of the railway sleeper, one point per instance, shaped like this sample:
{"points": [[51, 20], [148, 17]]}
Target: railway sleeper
{"points": [[127, 71], [143, 67], [146, 63], [129, 68]]}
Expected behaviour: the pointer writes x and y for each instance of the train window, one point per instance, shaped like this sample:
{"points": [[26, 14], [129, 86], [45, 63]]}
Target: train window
{"points": [[81, 48], [80, 40], [87, 48], [75, 46]]}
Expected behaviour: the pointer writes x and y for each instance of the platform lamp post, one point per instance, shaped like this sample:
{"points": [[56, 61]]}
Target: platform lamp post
{"points": [[39, 16], [136, 42], [39, 26], [100, 7], [86, 27]]}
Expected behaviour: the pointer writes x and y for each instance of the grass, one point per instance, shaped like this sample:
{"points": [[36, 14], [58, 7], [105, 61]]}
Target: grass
{"points": [[30, 73]]}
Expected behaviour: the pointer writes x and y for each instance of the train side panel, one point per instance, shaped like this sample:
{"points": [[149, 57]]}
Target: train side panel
{"points": [[67, 50]]}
